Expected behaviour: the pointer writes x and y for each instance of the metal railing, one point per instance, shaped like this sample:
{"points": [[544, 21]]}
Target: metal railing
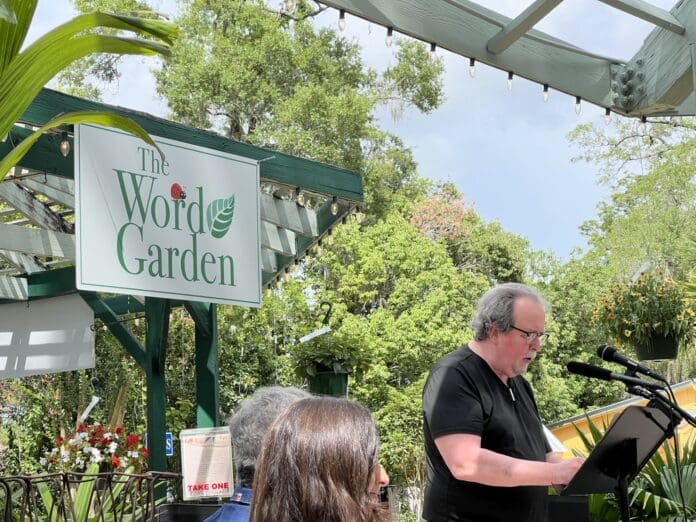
{"points": [[80, 497]]}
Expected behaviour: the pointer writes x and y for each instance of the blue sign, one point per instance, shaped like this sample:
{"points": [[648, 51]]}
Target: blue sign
{"points": [[169, 444]]}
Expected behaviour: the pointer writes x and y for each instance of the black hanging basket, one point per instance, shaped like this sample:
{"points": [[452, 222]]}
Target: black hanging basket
{"points": [[328, 382], [658, 347]]}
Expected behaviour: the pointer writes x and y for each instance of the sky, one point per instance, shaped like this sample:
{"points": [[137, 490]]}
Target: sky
{"points": [[506, 151]]}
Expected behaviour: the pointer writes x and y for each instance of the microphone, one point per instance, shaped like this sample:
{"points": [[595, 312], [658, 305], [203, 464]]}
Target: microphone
{"points": [[609, 353], [587, 370]]}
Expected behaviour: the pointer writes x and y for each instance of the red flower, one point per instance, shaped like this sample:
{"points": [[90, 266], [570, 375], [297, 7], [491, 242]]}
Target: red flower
{"points": [[59, 441], [132, 440], [115, 461]]}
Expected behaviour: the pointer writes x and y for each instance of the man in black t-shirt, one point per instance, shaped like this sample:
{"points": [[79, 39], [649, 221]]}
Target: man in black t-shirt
{"points": [[487, 457]]}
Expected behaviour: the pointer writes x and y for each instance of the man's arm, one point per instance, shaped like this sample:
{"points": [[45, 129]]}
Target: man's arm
{"points": [[467, 460]]}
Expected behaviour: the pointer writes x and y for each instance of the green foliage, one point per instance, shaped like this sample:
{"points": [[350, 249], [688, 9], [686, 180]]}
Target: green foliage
{"points": [[653, 303], [656, 494], [23, 72]]}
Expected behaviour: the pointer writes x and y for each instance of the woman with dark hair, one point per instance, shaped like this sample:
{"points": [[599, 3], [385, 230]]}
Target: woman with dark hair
{"points": [[319, 463]]}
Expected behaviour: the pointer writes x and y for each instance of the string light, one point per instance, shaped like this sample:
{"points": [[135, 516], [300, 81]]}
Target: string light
{"points": [[300, 197], [64, 145], [578, 107], [509, 80], [334, 206], [342, 20], [433, 50], [390, 36], [472, 67], [546, 92], [607, 115]]}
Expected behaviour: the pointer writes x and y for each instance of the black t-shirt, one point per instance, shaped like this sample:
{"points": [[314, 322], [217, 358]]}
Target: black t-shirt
{"points": [[464, 395]]}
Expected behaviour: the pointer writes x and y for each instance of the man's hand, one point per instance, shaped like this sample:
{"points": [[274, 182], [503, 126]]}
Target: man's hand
{"points": [[566, 470]]}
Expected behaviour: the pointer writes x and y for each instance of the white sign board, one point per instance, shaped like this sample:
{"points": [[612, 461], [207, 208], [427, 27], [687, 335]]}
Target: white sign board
{"points": [[46, 336], [184, 228], [206, 462]]}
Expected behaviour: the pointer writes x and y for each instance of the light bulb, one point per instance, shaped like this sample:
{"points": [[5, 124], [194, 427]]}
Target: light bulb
{"points": [[546, 92], [329, 238], [390, 36], [509, 81], [65, 145], [4, 138], [433, 50], [607, 115], [472, 67], [643, 125], [137, 321], [290, 6], [334, 206], [342, 20], [578, 107]]}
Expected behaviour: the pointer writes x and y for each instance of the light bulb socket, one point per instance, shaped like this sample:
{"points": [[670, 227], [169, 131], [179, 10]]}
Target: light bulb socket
{"points": [[390, 36], [342, 20], [546, 92], [578, 106], [472, 67], [300, 197], [509, 80], [64, 145], [433, 47]]}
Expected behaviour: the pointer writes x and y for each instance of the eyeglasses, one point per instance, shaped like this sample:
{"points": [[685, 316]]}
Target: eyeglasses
{"points": [[531, 336]]}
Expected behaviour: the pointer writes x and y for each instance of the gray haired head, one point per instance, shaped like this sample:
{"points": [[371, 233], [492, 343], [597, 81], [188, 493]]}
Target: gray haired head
{"points": [[495, 308], [249, 424]]}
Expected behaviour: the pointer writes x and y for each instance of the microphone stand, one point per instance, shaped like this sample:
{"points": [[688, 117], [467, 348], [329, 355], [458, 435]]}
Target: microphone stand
{"points": [[673, 411]]}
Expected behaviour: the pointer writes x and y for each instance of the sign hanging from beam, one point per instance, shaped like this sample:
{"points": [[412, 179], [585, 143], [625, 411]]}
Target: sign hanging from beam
{"points": [[46, 336], [186, 227]]}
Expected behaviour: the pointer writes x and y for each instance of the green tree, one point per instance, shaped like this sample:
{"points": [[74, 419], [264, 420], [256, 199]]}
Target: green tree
{"points": [[23, 73]]}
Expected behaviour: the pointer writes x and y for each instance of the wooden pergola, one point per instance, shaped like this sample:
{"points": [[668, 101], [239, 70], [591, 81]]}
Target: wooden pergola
{"points": [[657, 81], [37, 242]]}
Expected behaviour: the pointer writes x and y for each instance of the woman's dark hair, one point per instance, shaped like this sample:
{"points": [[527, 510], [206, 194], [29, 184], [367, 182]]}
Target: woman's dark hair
{"points": [[317, 464]]}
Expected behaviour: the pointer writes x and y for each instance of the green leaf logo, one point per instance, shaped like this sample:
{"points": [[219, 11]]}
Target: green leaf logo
{"points": [[219, 215]]}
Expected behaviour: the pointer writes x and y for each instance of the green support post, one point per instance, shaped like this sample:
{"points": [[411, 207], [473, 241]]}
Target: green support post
{"points": [[207, 396], [157, 315]]}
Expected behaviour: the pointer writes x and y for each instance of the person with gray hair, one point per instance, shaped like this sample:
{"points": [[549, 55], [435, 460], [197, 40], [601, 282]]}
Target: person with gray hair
{"points": [[248, 426], [487, 457]]}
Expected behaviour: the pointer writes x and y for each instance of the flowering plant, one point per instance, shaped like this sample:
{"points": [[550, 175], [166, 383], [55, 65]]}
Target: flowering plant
{"points": [[100, 446], [651, 304]]}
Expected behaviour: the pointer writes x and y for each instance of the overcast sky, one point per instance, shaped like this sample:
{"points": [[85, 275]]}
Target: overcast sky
{"points": [[505, 150]]}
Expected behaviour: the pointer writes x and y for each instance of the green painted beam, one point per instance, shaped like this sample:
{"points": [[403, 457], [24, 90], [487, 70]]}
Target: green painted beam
{"points": [[157, 313], [124, 304], [465, 28], [660, 75], [517, 28], [275, 166], [112, 321], [649, 13], [656, 81], [43, 156], [207, 375], [199, 313], [51, 283]]}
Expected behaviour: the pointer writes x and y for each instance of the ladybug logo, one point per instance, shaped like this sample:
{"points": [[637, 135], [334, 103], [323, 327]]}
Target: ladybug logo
{"points": [[177, 192]]}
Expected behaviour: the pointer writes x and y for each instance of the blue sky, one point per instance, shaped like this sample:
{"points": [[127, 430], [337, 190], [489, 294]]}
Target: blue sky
{"points": [[506, 151]]}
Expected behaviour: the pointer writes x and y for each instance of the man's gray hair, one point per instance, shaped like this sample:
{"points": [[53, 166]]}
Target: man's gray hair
{"points": [[495, 308], [249, 424]]}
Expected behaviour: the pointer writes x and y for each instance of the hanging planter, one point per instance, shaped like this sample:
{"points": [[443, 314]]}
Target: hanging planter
{"points": [[657, 347], [650, 313], [328, 381]]}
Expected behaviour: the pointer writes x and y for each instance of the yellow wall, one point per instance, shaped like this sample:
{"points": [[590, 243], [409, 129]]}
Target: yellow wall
{"points": [[565, 431]]}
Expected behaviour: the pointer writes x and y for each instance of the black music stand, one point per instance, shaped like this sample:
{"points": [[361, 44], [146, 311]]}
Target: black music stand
{"points": [[625, 448]]}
